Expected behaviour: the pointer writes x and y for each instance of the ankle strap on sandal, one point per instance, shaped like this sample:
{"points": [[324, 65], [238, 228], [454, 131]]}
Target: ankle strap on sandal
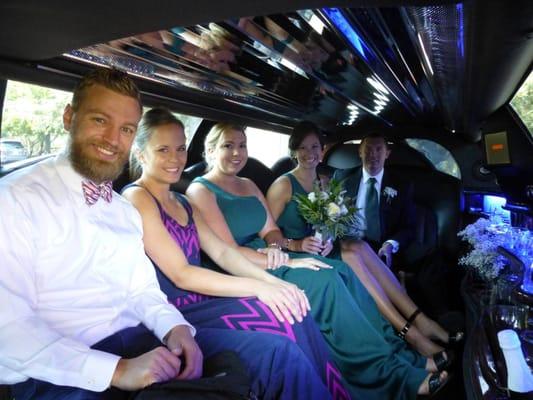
{"points": [[405, 329], [413, 316]]}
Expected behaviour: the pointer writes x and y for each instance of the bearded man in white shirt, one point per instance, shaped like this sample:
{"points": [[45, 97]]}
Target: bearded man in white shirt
{"points": [[75, 285]]}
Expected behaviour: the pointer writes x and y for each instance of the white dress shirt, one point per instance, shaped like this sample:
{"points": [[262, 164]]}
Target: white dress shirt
{"points": [[361, 199], [70, 276]]}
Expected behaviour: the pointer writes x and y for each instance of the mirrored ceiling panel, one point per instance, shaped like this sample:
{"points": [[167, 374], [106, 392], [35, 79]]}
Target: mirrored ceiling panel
{"points": [[334, 66]]}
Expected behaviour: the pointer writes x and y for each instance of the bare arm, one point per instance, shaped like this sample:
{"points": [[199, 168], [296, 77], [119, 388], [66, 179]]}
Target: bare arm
{"points": [[170, 258], [284, 300], [227, 257], [278, 196], [206, 203]]}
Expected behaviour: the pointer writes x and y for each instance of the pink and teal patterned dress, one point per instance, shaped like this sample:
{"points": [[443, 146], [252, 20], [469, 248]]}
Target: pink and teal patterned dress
{"points": [[284, 361]]}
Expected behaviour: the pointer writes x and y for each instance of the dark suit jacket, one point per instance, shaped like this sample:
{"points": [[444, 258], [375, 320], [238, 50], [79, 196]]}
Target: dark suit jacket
{"points": [[397, 215]]}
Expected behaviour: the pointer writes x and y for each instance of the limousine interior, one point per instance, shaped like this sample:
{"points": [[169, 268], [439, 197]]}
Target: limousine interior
{"points": [[448, 82]]}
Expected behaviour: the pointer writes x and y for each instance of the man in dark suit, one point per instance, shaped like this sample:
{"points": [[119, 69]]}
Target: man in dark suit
{"points": [[385, 199]]}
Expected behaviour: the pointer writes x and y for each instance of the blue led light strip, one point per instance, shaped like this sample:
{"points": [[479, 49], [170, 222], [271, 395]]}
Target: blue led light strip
{"points": [[341, 23]]}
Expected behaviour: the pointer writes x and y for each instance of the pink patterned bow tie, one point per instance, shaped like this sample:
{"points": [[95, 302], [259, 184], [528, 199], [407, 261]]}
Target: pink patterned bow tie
{"points": [[92, 192]]}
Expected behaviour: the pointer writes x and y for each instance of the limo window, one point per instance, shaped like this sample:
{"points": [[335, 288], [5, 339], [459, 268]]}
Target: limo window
{"points": [[32, 123], [441, 158], [522, 103], [266, 146]]}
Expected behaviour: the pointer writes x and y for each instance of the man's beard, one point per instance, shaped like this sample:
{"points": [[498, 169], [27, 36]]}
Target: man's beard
{"points": [[94, 169]]}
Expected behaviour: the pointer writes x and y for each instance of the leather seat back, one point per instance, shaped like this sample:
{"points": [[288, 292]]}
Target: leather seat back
{"points": [[283, 165], [438, 204]]}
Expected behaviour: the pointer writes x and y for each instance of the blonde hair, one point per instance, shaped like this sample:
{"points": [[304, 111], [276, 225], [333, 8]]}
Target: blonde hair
{"points": [[214, 135]]}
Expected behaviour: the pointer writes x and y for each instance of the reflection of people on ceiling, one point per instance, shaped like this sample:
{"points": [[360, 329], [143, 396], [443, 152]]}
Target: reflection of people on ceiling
{"points": [[212, 48], [307, 49], [209, 48]]}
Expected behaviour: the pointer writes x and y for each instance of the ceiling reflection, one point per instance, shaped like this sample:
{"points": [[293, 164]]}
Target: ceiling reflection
{"points": [[333, 66]]}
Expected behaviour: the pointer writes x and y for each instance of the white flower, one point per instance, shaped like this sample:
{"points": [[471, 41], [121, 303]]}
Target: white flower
{"points": [[333, 210], [344, 210], [323, 195], [312, 197], [483, 256], [390, 192]]}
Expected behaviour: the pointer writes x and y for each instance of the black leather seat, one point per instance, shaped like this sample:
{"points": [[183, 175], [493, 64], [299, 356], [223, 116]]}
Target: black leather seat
{"points": [[283, 165], [254, 170], [5, 393]]}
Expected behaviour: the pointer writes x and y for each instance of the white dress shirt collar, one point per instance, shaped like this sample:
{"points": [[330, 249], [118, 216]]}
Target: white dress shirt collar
{"points": [[378, 177]]}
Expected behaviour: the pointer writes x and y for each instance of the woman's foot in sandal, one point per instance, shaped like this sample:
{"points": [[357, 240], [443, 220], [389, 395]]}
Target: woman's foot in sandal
{"points": [[433, 383], [439, 361], [421, 343], [432, 330]]}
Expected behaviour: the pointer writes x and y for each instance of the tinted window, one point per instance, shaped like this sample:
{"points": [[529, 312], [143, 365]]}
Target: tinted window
{"points": [[441, 158], [32, 122], [266, 146], [522, 103]]}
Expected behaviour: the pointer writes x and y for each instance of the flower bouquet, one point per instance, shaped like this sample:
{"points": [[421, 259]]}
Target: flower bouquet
{"points": [[330, 212], [483, 256]]}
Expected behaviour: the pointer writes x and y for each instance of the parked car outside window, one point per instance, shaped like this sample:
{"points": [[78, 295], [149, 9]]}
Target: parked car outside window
{"points": [[12, 150]]}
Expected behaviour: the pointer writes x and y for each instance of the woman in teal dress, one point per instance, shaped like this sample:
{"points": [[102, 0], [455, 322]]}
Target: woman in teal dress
{"points": [[393, 302], [375, 363]]}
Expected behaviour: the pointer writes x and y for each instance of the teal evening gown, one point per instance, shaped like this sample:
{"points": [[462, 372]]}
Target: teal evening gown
{"points": [[374, 361]]}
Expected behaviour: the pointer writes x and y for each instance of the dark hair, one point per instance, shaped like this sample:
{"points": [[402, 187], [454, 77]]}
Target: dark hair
{"points": [[112, 79], [301, 131], [151, 119], [375, 135]]}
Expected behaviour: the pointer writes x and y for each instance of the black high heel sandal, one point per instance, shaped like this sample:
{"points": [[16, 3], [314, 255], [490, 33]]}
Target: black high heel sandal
{"points": [[441, 362], [435, 384]]}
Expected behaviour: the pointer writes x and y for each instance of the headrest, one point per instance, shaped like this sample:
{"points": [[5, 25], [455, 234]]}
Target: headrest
{"points": [[346, 155], [283, 165], [259, 173]]}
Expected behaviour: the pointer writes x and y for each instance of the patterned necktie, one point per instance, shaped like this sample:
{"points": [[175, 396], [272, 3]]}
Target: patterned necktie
{"points": [[92, 192], [373, 229]]}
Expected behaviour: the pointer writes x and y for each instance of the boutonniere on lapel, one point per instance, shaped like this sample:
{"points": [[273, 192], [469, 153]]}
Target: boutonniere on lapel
{"points": [[389, 193]]}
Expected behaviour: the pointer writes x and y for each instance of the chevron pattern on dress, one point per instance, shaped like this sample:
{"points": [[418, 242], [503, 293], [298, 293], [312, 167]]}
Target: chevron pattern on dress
{"points": [[258, 318], [190, 298], [334, 382]]}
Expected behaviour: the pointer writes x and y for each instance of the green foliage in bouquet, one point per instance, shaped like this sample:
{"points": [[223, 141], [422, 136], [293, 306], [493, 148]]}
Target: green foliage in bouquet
{"points": [[329, 211]]}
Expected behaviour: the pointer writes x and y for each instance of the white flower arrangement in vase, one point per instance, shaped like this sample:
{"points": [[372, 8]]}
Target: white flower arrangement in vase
{"points": [[483, 257]]}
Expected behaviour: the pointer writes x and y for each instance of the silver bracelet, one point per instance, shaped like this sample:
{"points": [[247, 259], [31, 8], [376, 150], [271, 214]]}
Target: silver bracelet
{"points": [[274, 245]]}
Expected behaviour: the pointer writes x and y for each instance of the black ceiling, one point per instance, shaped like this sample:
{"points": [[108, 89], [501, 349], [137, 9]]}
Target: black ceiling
{"points": [[443, 64]]}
